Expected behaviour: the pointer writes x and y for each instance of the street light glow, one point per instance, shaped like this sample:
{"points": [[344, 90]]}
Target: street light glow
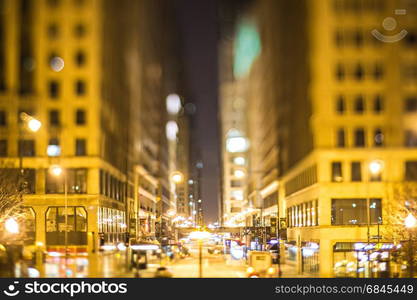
{"points": [[410, 221], [199, 235], [239, 174], [11, 226], [34, 125], [177, 177], [56, 170], [375, 167]]}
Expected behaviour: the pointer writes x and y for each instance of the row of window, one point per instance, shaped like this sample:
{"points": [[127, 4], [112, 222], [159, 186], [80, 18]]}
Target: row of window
{"points": [[27, 148], [343, 212], [302, 215], [356, 211], [54, 115], [359, 104], [356, 170], [304, 179], [54, 31], [54, 88], [359, 71], [359, 138], [111, 220], [112, 187]]}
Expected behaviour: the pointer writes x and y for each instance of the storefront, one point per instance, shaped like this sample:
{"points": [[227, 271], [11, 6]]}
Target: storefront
{"points": [[364, 260], [310, 257]]}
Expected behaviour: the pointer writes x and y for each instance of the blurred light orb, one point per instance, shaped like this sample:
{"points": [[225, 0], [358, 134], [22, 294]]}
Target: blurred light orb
{"points": [[171, 130], [199, 165], [173, 103], [375, 167], [56, 170], [239, 160], [410, 221], [177, 177], [57, 63], [53, 150], [11, 226], [237, 144], [239, 174], [34, 125]]}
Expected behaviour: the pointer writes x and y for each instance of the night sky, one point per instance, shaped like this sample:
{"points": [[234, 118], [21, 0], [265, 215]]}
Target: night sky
{"points": [[198, 27]]}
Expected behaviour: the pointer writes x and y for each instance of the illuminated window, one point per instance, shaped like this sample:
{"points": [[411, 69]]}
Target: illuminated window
{"points": [[337, 174], [355, 211], [378, 138]]}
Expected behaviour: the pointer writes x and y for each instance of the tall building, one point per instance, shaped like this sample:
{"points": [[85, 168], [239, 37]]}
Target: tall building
{"points": [[342, 101], [81, 68]]}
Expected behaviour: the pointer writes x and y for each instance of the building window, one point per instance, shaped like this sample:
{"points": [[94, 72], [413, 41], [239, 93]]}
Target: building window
{"points": [[359, 104], [80, 88], [378, 72], [358, 38], [338, 38], [80, 58], [26, 147], [359, 138], [356, 171], [340, 72], [3, 118], [76, 182], [54, 118], [79, 30], [355, 211], [71, 219], [378, 104], [3, 148], [410, 138], [337, 175], [411, 170], [53, 89], [410, 104], [80, 147], [53, 31], [80, 118], [378, 138], [359, 72], [341, 138], [340, 105]]}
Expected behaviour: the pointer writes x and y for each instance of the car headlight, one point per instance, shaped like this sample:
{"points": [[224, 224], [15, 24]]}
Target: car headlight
{"points": [[250, 270], [271, 270]]}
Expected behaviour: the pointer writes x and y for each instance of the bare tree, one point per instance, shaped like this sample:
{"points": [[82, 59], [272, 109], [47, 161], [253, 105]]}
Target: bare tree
{"points": [[403, 202], [11, 190]]}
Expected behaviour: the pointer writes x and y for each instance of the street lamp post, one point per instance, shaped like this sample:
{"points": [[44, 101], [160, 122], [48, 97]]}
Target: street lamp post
{"points": [[375, 169], [200, 236], [410, 223], [57, 171]]}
